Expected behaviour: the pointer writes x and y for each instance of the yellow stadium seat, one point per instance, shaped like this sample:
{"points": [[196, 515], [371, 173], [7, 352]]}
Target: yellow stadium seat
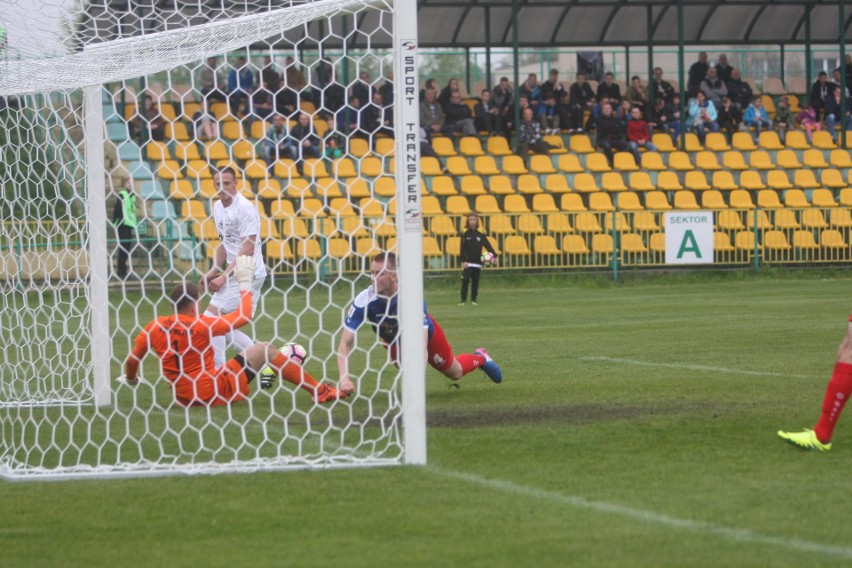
{"points": [[724, 181], [157, 151], [256, 169], [206, 189], [778, 180], [734, 160], [170, 170], [722, 242], [544, 203], [775, 240], [653, 161], [716, 142], [768, 140], [645, 221], [286, 168], [621, 223], [796, 140], [768, 199], [741, 199], [750, 180], [680, 161], [485, 166], [528, 184], [832, 179], [805, 179], [840, 159], [278, 249], [556, 143], [500, 185], [585, 183], [311, 207], [556, 183], [358, 147], [457, 205], [501, 225], [269, 188], [430, 166], [574, 244], [384, 186], [357, 188], [572, 202], [640, 181], [231, 130], [431, 248], [487, 204], [603, 244], [243, 150], [707, 161], [629, 201], [625, 162], [796, 198], [657, 201], [540, 164], [327, 188], [597, 163], [580, 144], [442, 225], [513, 166], [785, 219], [840, 218], [181, 189], [452, 246], [344, 168], [758, 218], [545, 245], [760, 160], [385, 147], [367, 247], [570, 164], [814, 159], [530, 224], [746, 242], [558, 223], [667, 181], [515, 204], [813, 219], [633, 243], [429, 205], [663, 142], [372, 208], [822, 140], [340, 207], [458, 166], [339, 248], [205, 230], [177, 131], [587, 223], [470, 146], [198, 169], [443, 186], [613, 182], [788, 160], [472, 185], [517, 246], [498, 146], [832, 239], [685, 201], [314, 168], [691, 143], [696, 181], [729, 221], [600, 202], [712, 199], [353, 227], [743, 142], [193, 209], [823, 198]]}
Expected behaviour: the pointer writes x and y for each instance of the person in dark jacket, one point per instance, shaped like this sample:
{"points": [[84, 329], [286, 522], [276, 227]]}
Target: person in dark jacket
{"points": [[610, 133], [470, 254]]}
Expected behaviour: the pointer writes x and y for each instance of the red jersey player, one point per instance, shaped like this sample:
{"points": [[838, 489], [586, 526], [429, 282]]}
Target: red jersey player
{"points": [[182, 342]]}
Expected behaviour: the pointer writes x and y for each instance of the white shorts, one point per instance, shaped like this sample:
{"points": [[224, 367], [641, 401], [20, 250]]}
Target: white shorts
{"points": [[227, 299]]}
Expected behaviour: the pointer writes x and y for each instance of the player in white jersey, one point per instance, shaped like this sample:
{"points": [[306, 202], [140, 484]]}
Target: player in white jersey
{"points": [[238, 223]]}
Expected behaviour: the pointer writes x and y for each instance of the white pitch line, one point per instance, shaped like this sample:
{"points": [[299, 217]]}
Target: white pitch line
{"points": [[690, 367], [742, 535]]}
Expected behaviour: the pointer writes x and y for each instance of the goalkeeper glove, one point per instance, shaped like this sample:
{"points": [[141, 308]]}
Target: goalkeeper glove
{"points": [[244, 271]]}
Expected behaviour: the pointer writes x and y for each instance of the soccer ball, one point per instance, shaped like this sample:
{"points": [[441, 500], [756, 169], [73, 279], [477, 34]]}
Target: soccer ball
{"points": [[295, 353], [488, 258]]}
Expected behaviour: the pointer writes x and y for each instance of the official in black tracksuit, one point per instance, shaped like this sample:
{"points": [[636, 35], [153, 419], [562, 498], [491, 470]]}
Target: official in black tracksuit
{"points": [[472, 243]]}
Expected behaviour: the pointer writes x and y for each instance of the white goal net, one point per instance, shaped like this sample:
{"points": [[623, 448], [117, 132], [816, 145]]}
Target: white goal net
{"points": [[101, 98]]}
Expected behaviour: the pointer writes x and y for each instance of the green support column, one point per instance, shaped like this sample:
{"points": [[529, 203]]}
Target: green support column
{"points": [[488, 47], [842, 41], [515, 50], [649, 37], [680, 72]]}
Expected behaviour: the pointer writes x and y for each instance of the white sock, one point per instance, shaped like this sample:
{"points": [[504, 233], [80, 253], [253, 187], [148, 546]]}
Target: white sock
{"points": [[239, 340], [219, 345]]}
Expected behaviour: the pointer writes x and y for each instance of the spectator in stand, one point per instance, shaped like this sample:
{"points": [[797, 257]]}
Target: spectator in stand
{"points": [[783, 119], [624, 112], [429, 85], [581, 97], [808, 119], [610, 133], [756, 117], [639, 134], [661, 88], [334, 142], [262, 105], [609, 89], [834, 112], [277, 143], [332, 97], [713, 87], [637, 94], [697, 73], [848, 61], [457, 117], [504, 98], [321, 77], [304, 142], [376, 118], [552, 85], [563, 109], [677, 124], [729, 117], [821, 91], [387, 90], [595, 115], [723, 68], [362, 88], [269, 74], [206, 125], [547, 115], [240, 86], [348, 117], [532, 91], [488, 117], [293, 75], [531, 139], [447, 92], [431, 116], [702, 116], [739, 91], [659, 117], [838, 81], [149, 124], [287, 101], [211, 83]]}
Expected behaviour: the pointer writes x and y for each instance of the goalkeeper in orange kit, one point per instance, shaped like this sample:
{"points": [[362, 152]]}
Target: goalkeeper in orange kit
{"points": [[182, 342]]}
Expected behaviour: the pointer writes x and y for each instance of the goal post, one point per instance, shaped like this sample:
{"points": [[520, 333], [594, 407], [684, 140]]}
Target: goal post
{"points": [[79, 122]]}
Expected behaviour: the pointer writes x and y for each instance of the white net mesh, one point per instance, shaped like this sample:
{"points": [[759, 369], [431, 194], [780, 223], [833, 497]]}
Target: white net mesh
{"points": [[167, 128]]}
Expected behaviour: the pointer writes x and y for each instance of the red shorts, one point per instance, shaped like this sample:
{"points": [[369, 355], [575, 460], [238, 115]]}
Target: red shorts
{"points": [[440, 352], [229, 384]]}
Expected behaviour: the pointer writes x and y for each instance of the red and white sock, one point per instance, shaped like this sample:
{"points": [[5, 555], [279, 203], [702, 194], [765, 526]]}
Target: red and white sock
{"points": [[470, 361], [836, 394]]}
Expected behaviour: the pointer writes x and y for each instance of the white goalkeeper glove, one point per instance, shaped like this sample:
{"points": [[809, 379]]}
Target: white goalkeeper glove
{"points": [[244, 271]]}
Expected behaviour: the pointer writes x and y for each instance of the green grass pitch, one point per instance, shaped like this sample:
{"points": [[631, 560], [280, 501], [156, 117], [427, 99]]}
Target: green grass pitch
{"points": [[635, 427]]}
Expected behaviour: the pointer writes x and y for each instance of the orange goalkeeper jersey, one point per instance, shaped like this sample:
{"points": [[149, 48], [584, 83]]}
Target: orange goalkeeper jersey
{"points": [[183, 345]]}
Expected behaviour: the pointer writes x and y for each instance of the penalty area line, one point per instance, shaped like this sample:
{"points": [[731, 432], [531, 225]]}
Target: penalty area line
{"points": [[690, 367], [645, 516]]}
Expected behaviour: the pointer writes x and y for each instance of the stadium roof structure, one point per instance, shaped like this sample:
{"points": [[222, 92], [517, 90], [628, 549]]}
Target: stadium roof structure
{"points": [[541, 23]]}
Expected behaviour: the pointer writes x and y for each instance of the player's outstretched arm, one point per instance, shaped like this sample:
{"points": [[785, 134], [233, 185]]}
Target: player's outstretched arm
{"points": [[131, 364], [344, 348], [207, 281]]}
